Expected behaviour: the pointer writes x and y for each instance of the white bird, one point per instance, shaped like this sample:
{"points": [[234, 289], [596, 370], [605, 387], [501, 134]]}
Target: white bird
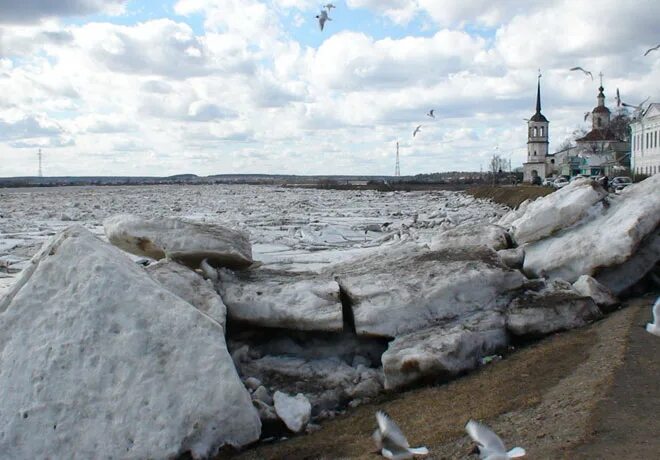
{"points": [[418, 129], [651, 49], [322, 17], [654, 327], [391, 442], [491, 446], [586, 72], [431, 114], [618, 98], [329, 6]]}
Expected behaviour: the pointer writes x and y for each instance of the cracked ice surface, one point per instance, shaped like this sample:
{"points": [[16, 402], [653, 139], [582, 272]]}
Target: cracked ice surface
{"points": [[290, 229]]}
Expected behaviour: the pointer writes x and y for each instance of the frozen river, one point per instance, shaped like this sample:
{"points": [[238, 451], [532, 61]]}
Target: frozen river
{"points": [[293, 229]]}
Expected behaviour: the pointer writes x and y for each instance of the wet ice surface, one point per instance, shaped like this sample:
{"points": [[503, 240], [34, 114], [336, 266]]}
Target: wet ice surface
{"points": [[290, 229]]}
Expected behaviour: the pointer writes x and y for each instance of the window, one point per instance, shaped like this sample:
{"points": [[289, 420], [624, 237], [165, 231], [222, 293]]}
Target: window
{"points": [[655, 142], [536, 132], [598, 121], [541, 131], [534, 150]]}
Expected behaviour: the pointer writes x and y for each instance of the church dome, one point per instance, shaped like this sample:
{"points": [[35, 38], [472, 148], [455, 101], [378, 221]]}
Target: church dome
{"points": [[601, 109], [538, 116]]}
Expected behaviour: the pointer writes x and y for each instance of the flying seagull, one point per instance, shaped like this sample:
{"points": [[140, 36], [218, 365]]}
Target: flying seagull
{"points": [[586, 115], [322, 17], [586, 72], [638, 107], [418, 129], [654, 327], [490, 445], [618, 98], [651, 49], [391, 442], [329, 6], [431, 114]]}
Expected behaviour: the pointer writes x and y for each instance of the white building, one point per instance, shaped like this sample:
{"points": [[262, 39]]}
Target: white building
{"points": [[645, 132], [537, 143]]}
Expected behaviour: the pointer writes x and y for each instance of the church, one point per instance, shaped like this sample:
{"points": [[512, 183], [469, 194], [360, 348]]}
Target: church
{"points": [[599, 151], [537, 144]]}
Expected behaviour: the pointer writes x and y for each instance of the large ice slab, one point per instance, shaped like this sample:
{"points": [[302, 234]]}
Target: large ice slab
{"points": [[563, 208], [489, 235], [191, 287], [443, 351], [273, 298], [407, 288], [185, 242], [605, 241], [99, 360], [556, 307]]}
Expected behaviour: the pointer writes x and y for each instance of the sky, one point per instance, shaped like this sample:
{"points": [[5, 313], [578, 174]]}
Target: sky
{"points": [[130, 87]]}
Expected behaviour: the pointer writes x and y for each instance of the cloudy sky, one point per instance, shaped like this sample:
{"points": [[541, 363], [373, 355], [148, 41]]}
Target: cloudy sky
{"points": [[146, 87]]}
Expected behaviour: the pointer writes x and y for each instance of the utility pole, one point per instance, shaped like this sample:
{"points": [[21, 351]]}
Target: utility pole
{"points": [[397, 169]]}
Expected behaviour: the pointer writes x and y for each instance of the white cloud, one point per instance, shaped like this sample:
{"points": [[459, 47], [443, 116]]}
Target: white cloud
{"points": [[244, 95], [26, 11]]}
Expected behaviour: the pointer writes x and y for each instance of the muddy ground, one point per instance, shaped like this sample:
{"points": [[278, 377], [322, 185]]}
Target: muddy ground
{"points": [[589, 393]]}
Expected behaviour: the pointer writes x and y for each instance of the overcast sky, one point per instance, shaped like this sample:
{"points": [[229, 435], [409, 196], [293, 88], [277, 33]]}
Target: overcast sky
{"points": [[129, 87]]}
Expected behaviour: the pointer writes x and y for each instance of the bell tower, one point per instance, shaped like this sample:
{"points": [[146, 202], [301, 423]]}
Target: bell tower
{"points": [[537, 135], [537, 142]]}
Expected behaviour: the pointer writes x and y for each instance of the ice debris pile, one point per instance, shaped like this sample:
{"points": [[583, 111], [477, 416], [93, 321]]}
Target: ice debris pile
{"points": [[205, 348]]}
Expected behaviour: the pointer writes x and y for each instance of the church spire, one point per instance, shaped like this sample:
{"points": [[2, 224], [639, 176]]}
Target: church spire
{"points": [[538, 116]]}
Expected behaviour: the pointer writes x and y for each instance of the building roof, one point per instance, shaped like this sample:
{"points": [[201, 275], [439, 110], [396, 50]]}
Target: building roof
{"points": [[601, 109], [538, 116], [605, 134]]}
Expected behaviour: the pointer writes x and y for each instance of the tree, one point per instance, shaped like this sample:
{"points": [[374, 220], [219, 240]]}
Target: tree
{"points": [[498, 164], [620, 125]]}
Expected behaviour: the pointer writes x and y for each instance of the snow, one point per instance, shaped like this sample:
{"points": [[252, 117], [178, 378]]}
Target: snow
{"points": [[191, 287], [405, 288], [99, 358], [605, 240], [556, 211], [186, 242], [295, 411]]}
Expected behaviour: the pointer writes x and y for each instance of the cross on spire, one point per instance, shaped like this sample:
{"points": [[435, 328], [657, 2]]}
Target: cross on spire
{"points": [[601, 78]]}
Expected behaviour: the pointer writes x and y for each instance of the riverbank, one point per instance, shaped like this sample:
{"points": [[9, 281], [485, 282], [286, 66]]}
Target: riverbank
{"points": [[557, 398], [509, 195]]}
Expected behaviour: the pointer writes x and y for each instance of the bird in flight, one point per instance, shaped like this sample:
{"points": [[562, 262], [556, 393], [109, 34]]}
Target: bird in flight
{"points": [[322, 17], [586, 72], [651, 49], [431, 114], [418, 129], [490, 445], [618, 98], [586, 115], [391, 442], [638, 107], [654, 327], [329, 6]]}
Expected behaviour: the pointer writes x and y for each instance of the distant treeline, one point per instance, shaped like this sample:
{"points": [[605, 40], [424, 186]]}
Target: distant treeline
{"points": [[348, 182]]}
